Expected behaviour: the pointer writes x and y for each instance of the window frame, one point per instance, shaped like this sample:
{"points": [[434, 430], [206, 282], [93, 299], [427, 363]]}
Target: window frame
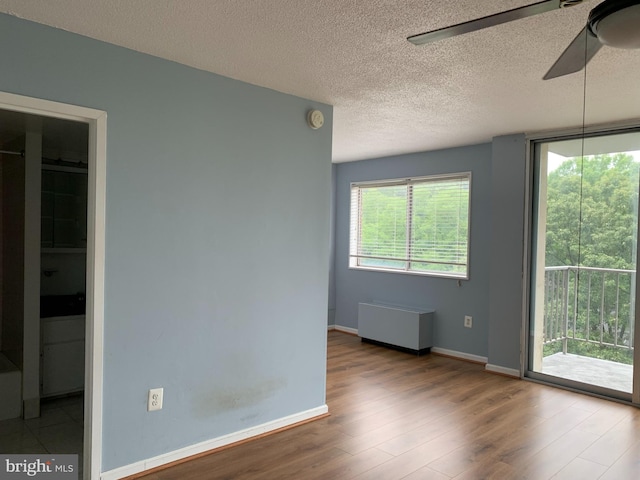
{"points": [[354, 258]]}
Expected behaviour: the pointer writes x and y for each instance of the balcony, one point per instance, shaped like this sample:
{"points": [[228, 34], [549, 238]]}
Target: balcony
{"points": [[588, 326]]}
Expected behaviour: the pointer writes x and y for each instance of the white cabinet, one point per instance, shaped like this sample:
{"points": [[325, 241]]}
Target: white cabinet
{"points": [[62, 369]]}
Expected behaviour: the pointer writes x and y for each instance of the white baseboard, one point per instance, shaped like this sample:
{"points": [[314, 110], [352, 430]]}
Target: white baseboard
{"points": [[464, 356], [331, 327], [212, 444], [509, 372], [340, 328]]}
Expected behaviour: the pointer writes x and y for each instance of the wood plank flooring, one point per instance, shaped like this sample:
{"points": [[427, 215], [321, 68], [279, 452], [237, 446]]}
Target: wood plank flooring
{"points": [[397, 416]]}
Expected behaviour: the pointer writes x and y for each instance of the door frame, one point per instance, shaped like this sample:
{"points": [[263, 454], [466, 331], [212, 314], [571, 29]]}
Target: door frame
{"points": [[96, 209], [531, 141]]}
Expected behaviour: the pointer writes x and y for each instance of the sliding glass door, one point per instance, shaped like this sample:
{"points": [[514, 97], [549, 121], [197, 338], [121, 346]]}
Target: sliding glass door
{"points": [[584, 244]]}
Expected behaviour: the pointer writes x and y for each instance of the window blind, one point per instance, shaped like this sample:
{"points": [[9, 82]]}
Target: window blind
{"points": [[418, 225]]}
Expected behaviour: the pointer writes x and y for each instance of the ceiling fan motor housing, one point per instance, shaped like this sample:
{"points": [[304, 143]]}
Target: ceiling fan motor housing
{"points": [[616, 23]]}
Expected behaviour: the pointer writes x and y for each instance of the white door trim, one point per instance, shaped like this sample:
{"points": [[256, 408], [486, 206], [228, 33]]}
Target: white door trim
{"points": [[96, 202]]}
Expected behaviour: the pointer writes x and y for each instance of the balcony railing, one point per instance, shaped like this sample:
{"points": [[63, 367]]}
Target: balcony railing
{"points": [[589, 305]]}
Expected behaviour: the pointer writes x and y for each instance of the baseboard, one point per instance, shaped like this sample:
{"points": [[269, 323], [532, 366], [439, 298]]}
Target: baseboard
{"points": [[340, 328], [509, 372], [213, 444], [460, 355]]}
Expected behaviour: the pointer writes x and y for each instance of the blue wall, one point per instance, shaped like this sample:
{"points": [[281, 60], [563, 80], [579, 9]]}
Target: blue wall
{"points": [[331, 316], [508, 171], [493, 295], [217, 228], [450, 301]]}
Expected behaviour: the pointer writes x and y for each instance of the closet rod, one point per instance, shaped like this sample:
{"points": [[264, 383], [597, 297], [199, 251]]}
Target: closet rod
{"points": [[9, 152]]}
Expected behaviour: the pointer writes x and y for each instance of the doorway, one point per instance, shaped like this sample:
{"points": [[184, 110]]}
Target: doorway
{"points": [[583, 288], [95, 122]]}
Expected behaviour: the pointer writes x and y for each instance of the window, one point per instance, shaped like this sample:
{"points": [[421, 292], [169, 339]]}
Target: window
{"points": [[415, 225]]}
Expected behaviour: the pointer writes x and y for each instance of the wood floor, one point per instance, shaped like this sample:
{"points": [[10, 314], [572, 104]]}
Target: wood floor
{"points": [[397, 416]]}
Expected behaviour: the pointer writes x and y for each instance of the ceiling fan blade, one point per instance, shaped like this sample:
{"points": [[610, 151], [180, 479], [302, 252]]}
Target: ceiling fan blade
{"points": [[485, 22], [576, 56]]}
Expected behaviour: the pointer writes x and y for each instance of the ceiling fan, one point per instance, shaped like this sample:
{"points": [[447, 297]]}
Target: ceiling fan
{"points": [[613, 22]]}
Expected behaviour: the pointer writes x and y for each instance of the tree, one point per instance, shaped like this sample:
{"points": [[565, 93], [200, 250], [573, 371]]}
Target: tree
{"points": [[420, 225], [592, 210]]}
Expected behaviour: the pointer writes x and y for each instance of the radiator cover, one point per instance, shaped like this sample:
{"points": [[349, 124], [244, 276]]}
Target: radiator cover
{"points": [[394, 326]]}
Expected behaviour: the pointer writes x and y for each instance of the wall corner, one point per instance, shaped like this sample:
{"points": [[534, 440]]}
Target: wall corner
{"points": [[508, 177]]}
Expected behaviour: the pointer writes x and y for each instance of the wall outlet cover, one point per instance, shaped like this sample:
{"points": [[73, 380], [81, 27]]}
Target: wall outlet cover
{"points": [[155, 399]]}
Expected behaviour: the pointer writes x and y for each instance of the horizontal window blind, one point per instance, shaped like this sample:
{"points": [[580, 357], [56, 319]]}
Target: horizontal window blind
{"points": [[418, 225]]}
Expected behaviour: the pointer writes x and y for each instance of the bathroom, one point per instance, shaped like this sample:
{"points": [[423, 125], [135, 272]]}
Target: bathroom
{"points": [[43, 201]]}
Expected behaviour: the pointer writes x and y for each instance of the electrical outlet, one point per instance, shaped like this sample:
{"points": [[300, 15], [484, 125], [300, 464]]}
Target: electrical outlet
{"points": [[468, 321], [155, 399]]}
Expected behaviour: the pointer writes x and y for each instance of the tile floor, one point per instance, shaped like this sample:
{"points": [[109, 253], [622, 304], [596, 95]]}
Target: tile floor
{"points": [[603, 373], [59, 429]]}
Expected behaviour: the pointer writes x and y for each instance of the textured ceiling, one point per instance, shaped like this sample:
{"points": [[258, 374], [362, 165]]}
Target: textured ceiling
{"points": [[389, 96]]}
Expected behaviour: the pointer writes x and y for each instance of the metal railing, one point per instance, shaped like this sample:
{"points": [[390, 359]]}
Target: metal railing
{"points": [[587, 304]]}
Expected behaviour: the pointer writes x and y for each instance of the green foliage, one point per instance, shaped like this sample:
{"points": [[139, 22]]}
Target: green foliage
{"points": [[439, 228], [592, 350], [591, 212], [438, 225], [383, 223], [592, 222]]}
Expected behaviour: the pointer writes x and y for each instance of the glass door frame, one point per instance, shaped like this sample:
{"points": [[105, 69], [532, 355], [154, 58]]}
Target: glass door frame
{"points": [[530, 228]]}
